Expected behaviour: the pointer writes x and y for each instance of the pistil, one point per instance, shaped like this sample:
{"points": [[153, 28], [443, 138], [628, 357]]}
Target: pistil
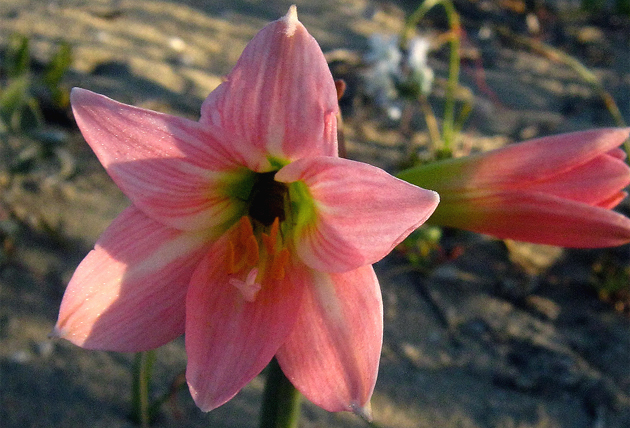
{"points": [[254, 261]]}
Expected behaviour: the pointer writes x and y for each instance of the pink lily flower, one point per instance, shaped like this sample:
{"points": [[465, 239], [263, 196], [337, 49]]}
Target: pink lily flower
{"points": [[246, 232], [557, 190]]}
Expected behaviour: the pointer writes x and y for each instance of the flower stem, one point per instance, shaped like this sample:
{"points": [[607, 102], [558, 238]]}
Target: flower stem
{"points": [[448, 127], [448, 133], [281, 401], [142, 367], [431, 121]]}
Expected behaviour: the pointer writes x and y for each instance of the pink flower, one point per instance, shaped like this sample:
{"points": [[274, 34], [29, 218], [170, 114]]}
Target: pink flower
{"points": [[556, 190], [246, 232]]}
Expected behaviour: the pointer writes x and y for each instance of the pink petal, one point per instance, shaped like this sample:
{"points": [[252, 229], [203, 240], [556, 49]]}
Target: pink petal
{"points": [[171, 168], [613, 201], [229, 340], [128, 294], [361, 212], [280, 98], [543, 157], [518, 164], [333, 352], [617, 153], [598, 180], [535, 217]]}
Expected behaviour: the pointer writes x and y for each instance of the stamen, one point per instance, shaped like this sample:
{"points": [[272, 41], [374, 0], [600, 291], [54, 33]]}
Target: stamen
{"points": [[245, 228], [276, 270], [243, 251], [270, 240], [251, 251], [251, 263]]}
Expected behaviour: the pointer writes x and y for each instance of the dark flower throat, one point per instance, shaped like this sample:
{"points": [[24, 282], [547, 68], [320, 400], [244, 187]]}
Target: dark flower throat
{"points": [[266, 201]]}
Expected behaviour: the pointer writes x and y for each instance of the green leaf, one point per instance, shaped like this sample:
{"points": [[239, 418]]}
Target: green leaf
{"points": [[18, 59], [57, 68], [14, 96], [29, 117], [19, 110]]}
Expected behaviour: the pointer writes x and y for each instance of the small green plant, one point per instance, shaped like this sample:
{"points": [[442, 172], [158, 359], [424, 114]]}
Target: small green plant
{"points": [[422, 247], [611, 279], [21, 90]]}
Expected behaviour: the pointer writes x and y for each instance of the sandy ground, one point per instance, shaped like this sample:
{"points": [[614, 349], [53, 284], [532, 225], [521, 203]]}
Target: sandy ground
{"points": [[470, 342]]}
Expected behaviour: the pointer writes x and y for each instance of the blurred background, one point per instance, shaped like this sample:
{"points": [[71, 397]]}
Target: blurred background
{"points": [[479, 333]]}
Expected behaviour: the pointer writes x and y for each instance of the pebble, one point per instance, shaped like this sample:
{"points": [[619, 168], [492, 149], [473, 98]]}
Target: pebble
{"points": [[21, 357], [45, 348]]}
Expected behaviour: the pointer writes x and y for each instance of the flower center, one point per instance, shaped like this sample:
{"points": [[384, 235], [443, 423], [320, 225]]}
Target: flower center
{"points": [[267, 199], [254, 261], [256, 252]]}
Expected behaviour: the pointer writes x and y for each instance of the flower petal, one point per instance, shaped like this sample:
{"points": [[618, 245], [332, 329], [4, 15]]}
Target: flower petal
{"points": [[536, 218], [280, 98], [517, 164], [360, 212], [229, 339], [597, 181], [333, 352], [541, 158], [171, 168], [128, 294]]}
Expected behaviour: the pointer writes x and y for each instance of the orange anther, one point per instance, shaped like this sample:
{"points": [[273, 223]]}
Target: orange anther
{"points": [[243, 250], [276, 270], [271, 239], [245, 229], [275, 228], [246, 255], [251, 251]]}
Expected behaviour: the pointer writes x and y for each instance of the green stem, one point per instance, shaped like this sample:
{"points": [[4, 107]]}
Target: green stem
{"points": [[281, 401], [448, 127], [448, 133], [414, 18], [431, 121], [142, 367]]}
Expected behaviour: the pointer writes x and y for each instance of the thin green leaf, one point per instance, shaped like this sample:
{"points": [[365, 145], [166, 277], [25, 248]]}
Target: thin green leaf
{"points": [[58, 66], [30, 118], [18, 59], [14, 96]]}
